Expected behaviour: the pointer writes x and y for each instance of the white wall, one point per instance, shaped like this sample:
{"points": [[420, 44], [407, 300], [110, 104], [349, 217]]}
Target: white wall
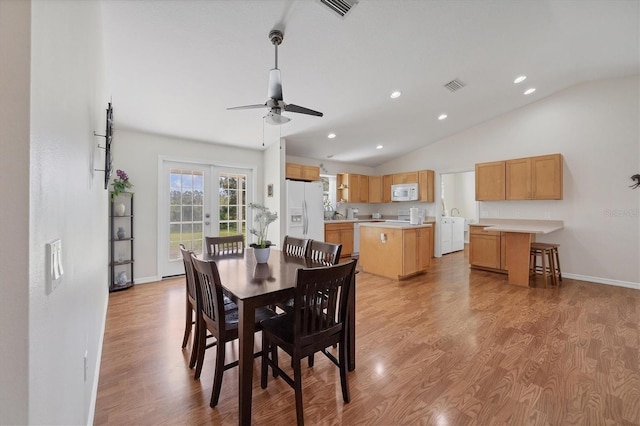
{"points": [[67, 200], [273, 174], [138, 154], [15, 40], [459, 192], [596, 126]]}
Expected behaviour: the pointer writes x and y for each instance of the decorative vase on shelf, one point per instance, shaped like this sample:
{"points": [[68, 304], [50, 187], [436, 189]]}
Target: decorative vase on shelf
{"points": [[122, 279], [119, 209], [262, 254], [120, 233]]}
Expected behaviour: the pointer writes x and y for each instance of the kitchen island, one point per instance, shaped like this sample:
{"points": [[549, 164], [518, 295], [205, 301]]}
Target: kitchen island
{"points": [[395, 250], [505, 244]]}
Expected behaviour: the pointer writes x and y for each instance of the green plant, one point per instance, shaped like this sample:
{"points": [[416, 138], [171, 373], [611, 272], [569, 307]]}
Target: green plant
{"points": [[263, 218], [121, 184]]}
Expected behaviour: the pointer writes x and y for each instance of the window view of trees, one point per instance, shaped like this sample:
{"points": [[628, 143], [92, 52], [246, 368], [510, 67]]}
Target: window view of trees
{"points": [[233, 204], [185, 211]]}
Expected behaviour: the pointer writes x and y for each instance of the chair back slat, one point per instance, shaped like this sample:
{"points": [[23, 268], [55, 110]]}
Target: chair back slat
{"points": [[321, 299], [221, 246], [188, 271], [324, 253], [210, 286], [296, 247]]}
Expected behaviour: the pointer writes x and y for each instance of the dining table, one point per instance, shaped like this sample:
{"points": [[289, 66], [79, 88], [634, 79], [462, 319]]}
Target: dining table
{"points": [[252, 285]]}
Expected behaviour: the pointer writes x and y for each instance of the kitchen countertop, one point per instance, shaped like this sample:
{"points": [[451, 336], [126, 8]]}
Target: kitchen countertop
{"points": [[429, 219], [525, 226], [396, 225]]}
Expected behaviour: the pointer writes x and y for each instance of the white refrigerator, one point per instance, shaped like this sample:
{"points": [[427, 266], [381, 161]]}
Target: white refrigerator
{"points": [[305, 212]]}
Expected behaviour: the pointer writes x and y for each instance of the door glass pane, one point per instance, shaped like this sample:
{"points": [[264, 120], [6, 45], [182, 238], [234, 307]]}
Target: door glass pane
{"points": [[233, 203], [185, 211]]}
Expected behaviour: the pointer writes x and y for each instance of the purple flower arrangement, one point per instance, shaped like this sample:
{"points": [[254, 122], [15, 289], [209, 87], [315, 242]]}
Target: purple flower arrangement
{"points": [[121, 184]]}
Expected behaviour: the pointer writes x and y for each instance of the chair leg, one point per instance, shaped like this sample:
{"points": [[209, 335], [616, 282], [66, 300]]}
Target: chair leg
{"points": [[297, 388], [557, 256], [310, 360], [202, 345], [217, 375], [188, 324], [343, 370], [264, 372], [195, 344], [274, 358], [544, 268]]}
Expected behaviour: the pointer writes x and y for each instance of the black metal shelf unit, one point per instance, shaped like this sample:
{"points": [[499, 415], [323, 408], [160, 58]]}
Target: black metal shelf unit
{"points": [[121, 259]]}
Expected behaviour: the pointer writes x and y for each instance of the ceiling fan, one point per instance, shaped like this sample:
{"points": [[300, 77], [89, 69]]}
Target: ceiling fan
{"points": [[274, 103]]}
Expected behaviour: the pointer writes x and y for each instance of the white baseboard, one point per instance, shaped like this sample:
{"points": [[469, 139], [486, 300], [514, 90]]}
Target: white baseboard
{"points": [[146, 280], [607, 281]]}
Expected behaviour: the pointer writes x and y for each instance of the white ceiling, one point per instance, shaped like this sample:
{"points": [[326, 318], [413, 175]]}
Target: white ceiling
{"points": [[173, 67]]}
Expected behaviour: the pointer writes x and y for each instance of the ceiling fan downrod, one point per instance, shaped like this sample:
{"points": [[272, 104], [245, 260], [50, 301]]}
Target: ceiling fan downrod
{"points": [[276, 37]]}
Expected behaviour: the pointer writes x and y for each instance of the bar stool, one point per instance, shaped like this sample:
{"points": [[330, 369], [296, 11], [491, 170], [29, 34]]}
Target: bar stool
{"points": [[550, 260]]}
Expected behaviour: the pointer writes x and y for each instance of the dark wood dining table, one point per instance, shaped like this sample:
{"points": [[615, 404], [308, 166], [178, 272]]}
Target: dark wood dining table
{"points": [[251, 285]]}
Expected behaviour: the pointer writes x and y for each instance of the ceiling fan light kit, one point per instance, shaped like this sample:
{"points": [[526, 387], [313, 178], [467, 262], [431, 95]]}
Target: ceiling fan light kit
{"points": [[275, 103]]}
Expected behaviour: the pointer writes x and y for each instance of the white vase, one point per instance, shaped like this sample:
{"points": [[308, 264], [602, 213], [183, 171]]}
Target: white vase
{"points": [[262, 254], [119, 209]]}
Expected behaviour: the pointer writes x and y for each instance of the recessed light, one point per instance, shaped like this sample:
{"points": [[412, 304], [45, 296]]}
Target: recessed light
{"points": [[379, 147], [442, 116], [529, 91], [396, 94], [331, 135], [330, 156], [520, 79]]}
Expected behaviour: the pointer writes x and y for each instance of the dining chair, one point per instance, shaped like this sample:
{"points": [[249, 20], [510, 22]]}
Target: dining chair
{"points": [[191, 306], [324, 253], [293, 246], [314, 324], [221, 323], [219, 246]]}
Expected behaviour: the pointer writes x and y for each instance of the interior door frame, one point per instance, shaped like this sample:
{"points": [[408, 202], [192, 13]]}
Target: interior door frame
{"points": [[162, 197]]}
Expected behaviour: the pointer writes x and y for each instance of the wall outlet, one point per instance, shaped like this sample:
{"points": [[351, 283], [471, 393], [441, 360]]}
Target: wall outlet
{"points": [[547, 215], [53, 265]]}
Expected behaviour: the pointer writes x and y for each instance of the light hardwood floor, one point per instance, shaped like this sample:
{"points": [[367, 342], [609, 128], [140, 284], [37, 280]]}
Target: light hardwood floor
{"points": [[452, 347]]}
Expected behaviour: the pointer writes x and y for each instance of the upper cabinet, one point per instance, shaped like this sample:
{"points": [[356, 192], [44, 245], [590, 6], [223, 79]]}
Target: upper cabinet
{"points": [[531, 178], [302, 172], [409, 177], [490, 181], [426, 185], [375, 189], [352, 188], [387, 181], [355, 188]]}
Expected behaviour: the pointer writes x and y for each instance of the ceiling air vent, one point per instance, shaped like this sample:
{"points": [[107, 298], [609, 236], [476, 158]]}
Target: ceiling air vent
{"points": [[454, 85], [341, 7]]}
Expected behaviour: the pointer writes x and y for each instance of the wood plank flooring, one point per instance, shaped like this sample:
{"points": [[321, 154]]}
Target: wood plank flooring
{"points": [[452, 347]]}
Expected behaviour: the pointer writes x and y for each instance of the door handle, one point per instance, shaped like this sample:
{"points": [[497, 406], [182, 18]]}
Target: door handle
{"points": [[207, 222]]}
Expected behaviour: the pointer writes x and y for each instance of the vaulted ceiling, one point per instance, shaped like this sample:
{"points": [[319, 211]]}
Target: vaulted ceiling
{"points": [[173, 67]]}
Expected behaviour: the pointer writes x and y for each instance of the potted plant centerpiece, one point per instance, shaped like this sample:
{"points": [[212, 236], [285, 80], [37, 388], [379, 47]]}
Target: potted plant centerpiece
{"points": [[120, 186], [263, 218]]}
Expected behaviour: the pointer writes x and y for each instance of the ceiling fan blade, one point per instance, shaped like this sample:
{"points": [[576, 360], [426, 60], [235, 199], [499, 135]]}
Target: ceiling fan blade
{"points": [[249, 106], [275, 85], [301, 110]]}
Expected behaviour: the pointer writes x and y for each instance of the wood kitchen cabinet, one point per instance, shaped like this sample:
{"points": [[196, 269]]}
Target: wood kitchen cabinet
{"points": [[400, 254], [534, 178], [352, 188], [340, 233], [485, 248], [490, 181], [375, 189], [408, 177], [302, 172], [387, 181], [426, 185], [417, 252]]}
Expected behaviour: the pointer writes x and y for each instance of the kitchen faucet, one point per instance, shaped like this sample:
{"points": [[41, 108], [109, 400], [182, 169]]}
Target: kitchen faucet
{"points": [[456, 209]]}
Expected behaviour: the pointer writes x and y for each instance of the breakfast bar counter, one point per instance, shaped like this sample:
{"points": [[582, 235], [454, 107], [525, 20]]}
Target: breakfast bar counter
{"points": [[518, 236]]}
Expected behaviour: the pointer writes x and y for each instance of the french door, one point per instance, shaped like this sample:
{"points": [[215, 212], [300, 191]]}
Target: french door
{"points": [[198, 200]]}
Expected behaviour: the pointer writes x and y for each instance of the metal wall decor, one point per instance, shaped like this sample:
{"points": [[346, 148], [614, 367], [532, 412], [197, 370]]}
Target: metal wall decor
{"points": [[108, 136]]}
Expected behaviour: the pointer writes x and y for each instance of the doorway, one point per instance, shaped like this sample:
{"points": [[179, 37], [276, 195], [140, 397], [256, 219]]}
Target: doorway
{"points": [[198, 200]]}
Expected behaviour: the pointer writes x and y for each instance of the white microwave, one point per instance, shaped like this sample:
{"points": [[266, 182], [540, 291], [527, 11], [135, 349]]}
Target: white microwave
{"points": [[404, 192]]}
